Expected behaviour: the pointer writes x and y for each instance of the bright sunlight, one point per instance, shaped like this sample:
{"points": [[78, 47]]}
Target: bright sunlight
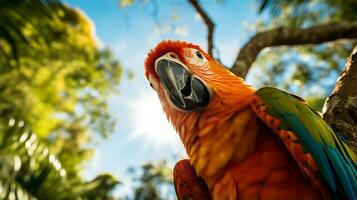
{"points": [[150, 122]]}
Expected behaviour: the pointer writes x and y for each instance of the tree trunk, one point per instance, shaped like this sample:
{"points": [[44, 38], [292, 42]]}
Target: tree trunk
{"points": [[340, 109]]}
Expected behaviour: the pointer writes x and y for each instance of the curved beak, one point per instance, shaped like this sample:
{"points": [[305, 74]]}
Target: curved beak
{"points": [[185, 91]]}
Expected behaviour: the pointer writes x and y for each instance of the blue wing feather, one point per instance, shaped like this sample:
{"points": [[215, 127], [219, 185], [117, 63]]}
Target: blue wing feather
{"points": [[336, 161], [311, 146]]}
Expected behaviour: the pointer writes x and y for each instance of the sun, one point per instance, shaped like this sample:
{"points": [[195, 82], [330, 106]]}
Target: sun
{"points": [[150, 123]]}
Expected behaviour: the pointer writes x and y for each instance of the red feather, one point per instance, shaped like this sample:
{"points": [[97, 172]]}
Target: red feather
{"points": [[164, 47], [187, 184]]}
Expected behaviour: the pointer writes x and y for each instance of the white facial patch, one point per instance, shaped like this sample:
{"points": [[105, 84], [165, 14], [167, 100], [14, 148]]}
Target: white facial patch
{"points": [[195, 57]]}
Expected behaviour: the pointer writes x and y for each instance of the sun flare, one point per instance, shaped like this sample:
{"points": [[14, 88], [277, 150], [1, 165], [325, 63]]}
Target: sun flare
{"points": [[150, 122]]}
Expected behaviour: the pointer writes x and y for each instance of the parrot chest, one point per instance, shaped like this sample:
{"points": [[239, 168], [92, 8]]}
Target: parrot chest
{"points": [[215, 144], [268, 173], [240, 158]]}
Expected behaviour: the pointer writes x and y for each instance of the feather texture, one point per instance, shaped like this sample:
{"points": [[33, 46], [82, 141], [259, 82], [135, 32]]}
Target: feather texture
{"points": [[289, 153], [323, 157]]}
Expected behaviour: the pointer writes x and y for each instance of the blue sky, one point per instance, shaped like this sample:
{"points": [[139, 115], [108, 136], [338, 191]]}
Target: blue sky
{"points": [[131, 32]]}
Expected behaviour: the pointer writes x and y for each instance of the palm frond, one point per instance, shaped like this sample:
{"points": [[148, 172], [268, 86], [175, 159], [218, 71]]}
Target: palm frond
{"points": [[26, 164]]}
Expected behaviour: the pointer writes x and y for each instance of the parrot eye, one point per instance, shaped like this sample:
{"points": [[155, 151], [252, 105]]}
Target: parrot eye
{"points": [[195, 57], [151, 85], [199, 55]]}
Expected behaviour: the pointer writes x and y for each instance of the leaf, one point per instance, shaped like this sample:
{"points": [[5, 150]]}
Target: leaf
{"points": [[29, 162], [125, 3]]}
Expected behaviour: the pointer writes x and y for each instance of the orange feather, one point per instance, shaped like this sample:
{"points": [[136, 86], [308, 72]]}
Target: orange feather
{"points": [[229, 147]]}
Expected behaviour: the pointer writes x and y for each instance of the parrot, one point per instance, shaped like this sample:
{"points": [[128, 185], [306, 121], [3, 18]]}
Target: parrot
{"points": [[241, 142]]}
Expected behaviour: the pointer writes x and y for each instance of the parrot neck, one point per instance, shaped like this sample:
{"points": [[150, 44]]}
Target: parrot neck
{"points": [[213, 146], [211, 136]]}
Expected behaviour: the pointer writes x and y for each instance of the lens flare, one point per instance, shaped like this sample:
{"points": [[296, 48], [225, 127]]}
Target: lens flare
{"points": [[150, 123]]}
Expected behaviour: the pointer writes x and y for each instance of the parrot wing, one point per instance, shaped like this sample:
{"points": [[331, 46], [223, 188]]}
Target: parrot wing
{"points": [[188, 185], [326, 159]]}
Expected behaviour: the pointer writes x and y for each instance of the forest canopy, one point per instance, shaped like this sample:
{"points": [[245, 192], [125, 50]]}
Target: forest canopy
{"points": [[54, 85]]}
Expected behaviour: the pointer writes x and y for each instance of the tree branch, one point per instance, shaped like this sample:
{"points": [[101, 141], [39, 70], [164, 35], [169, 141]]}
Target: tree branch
{"points": [[341, 106], [209, 24], [287, 36]]}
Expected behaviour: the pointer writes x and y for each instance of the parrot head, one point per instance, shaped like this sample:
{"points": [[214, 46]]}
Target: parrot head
{"points": [[169, 69], [190, 83]]}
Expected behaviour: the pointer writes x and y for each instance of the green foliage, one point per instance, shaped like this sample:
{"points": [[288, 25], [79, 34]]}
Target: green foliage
{"points": [[28, 168], [99, 188], [56, 79], [125, 3], [13, 18], [301, 11], [64, 71], [153, 182]]}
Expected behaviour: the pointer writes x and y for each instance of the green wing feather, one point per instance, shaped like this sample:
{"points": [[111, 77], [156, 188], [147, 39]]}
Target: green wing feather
{"points": [[336, 160]]}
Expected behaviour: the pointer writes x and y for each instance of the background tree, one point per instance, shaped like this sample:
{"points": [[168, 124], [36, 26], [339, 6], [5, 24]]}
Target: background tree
{"points": [[55, 81], [152, 181]]}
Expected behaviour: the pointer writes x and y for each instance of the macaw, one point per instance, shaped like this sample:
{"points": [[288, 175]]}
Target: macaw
{"points": [[244, 143]]}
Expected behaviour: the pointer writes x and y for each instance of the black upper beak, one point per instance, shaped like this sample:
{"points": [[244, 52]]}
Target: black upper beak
{"points": [[185, 91]]}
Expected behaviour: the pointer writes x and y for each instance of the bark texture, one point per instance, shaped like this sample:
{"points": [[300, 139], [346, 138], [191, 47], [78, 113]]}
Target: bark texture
{"points": [[288, 36], [341, 106]]}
